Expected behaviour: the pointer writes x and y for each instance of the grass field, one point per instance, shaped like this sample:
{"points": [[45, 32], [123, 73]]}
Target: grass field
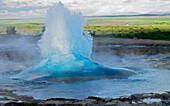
{"points": [[23, 26], [155, 27], [112, 21]]}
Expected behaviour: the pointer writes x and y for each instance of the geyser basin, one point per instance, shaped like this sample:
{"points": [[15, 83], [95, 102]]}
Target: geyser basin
{"points": [[79, 69], [66, 50]]}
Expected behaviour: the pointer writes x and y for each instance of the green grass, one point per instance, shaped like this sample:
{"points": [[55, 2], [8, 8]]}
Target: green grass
{"points": [[37, 21], [156, 28], [124, 27], [142, 32], [23, 26], [100, 21]]}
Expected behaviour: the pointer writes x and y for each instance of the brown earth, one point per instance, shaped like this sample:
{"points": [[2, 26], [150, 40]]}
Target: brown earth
{"points": [[123, 41]]}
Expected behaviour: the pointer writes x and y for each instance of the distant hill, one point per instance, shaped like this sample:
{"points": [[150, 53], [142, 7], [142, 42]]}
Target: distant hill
{"points": [[166, 14]]}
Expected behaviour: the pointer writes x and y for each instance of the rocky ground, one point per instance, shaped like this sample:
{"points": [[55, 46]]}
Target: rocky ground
{"points": [[122, 41], [100, 40], [8, 98]]}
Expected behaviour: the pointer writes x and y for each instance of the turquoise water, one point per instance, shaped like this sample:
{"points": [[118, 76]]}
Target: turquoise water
{"points": [[145, 81]]}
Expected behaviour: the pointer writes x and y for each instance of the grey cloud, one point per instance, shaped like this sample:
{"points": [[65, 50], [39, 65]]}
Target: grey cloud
{"points": [[91, 7], [2, 5], [23, 9]]}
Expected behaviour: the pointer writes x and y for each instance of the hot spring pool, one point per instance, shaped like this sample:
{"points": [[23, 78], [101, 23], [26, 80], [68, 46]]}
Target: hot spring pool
{"points": [[147, 79]]}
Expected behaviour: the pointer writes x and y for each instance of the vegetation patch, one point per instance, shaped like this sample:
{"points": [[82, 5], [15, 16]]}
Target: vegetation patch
{"points": [[140, 32], [156, 28]]}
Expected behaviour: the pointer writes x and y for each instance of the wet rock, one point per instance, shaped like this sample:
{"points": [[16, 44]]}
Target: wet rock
{"points": [[62, 99], [21, 104], [136, 96], [168, 92], [166, 103], [165, 96], [87, 101], [92, 97], [108, 100], [123, 99], [146, 99], [156, 95]]}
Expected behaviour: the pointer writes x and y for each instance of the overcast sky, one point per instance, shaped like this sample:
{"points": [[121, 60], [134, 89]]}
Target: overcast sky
{"points": [[38, 8]]}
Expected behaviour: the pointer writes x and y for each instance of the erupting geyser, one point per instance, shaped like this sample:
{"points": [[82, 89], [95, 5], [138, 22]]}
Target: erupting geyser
{"points": [[66, 50]]}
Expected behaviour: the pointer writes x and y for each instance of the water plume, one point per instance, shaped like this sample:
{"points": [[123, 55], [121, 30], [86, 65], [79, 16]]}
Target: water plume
{"points": [[66, 50]]}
